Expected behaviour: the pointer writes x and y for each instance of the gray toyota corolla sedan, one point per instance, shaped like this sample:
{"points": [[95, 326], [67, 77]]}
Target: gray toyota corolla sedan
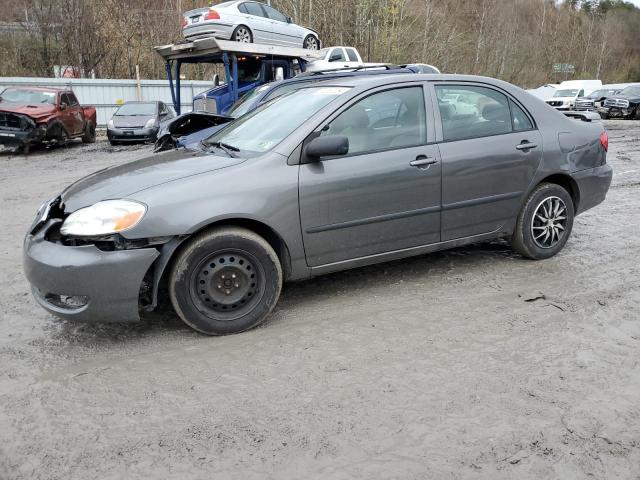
{"points": [[341, 174]]}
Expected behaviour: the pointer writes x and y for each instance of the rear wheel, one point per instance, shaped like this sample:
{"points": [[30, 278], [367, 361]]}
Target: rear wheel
{"points": [[89, 135], [225, 281], [311, 43], [242, 34], [544, 223]]}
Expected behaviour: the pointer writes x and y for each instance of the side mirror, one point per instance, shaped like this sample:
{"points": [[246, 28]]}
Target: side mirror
{"points": [[329, 146], [63, 106], [335, 57], [289, 20]]}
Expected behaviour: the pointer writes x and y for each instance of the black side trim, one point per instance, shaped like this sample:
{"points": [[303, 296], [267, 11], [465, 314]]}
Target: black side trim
{"points": [[481, 201], [376, 219], [412, 213]]}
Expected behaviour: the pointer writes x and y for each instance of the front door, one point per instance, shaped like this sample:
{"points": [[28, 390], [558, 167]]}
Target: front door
{"points": [[384, 195], [256, 19], [490, 150], [282, 32]]}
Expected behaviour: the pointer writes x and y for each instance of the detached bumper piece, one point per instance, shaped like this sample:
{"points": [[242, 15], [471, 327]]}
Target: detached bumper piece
{"points": [[84, 282]]}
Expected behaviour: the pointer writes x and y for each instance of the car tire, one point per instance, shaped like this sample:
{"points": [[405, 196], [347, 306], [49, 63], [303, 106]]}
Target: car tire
{"points": [[89, 135], [225, 281], [113, 142], [604, 116], [544, 223], [311, 42], [242, 34]]}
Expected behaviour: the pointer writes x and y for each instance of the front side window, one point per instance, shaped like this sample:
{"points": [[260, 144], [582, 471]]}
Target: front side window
{"points": [[72, 99], [383, 121], [337, 55], [470, 111], [265, 127], [273, 14]]}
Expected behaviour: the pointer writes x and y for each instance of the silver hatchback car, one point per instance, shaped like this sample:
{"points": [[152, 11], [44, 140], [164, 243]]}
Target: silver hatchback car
{"points": [[248, 22]]}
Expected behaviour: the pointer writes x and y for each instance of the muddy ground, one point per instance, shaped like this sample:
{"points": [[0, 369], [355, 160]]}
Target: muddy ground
{"points": [[472, 363]]}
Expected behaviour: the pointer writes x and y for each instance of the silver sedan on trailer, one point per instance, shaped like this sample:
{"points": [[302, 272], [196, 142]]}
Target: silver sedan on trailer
{"points": [[248, 22]]}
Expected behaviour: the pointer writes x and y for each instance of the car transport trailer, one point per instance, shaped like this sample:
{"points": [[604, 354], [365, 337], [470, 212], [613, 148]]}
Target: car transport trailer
{"points": [[246, 66]]}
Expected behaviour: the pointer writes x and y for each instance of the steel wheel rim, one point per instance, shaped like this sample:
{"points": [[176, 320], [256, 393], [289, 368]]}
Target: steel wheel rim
{"points": [[227, 284], [311, 44], [243, 36], [549, 222]]}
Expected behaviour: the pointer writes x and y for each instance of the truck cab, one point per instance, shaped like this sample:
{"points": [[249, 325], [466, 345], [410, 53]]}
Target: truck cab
{"points": [[252, 72]]}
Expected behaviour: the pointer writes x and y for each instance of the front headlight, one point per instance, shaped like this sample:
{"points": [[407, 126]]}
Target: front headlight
{"points": [[104, 218], [110, 124], [151, 123]]}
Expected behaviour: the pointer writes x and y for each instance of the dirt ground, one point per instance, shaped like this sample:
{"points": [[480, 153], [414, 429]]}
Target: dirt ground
{"points": [[472, 363]]}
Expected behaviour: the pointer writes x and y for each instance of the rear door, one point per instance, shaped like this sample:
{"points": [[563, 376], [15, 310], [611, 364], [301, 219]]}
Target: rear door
{"points": [[384, 195], [256, 19], [490, 150]]}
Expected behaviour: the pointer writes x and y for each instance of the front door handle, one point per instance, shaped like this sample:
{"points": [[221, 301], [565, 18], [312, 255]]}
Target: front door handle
{"points": [[422, 161], [526, 145]]}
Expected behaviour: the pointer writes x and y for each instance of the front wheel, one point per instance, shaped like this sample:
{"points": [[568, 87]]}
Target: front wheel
{"points": [[242, 34], [544, 223], [311, 43], [225, 281]]}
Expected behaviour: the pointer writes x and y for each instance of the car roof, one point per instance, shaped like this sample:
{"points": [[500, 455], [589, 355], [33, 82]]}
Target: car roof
{"points": [[372, 80]]}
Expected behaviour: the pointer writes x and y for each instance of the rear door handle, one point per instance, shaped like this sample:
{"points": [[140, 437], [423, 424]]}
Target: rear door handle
{"points": [[422, 161], [525, 145]]}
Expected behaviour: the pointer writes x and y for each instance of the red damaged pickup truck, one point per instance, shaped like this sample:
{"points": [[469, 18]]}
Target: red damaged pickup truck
{"points": [[34, 115]]}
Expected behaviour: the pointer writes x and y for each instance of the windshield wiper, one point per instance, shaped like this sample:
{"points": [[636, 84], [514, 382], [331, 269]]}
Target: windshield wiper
{"points": [[225, 147]]}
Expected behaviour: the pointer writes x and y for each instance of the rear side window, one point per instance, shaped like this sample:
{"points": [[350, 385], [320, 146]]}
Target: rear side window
{"points": [[469, 112], [253, 9], [243, 8], [351, 53], [520, 119]]}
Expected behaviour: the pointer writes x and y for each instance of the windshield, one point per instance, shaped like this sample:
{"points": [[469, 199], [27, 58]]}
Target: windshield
{"points": [[247, 102], [566, 93], [265, 127], [139, 109], [31, 97], [633, 90]]}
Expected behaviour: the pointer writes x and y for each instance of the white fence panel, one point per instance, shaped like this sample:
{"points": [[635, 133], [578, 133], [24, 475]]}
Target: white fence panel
{"points": [[104, 94]]}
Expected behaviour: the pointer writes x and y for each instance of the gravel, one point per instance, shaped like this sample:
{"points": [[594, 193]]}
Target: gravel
{"points": [[471, 363]]}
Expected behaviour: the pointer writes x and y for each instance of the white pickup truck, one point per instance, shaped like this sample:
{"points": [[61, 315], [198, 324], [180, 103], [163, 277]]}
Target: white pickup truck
{"points": [[334, 58]]}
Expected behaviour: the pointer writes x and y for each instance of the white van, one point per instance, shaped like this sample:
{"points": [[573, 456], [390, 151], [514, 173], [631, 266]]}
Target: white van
{"points": [[567, 92]]}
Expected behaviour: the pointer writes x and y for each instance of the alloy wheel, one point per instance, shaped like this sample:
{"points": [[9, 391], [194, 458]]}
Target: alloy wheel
{"points": [[311, 43], [549, 222], [243, 35]]}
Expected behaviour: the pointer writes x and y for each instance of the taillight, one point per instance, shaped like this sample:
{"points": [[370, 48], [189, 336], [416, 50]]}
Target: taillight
{"points": [[183, 22], [604, 141], [212, 15]]}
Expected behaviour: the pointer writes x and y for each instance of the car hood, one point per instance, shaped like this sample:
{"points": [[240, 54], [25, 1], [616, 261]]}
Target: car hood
{"points": [[130, 121], [33, 111], [631, 98], [123, 180]]}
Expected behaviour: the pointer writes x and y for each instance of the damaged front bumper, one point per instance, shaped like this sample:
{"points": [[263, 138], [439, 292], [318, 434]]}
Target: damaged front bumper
{"points": [[84, 282], [18, 130]]}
